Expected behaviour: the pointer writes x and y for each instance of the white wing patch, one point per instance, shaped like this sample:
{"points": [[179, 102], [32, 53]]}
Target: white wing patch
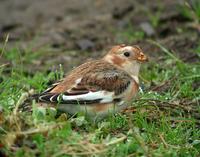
{"points": [[105, 96], [78, 81], [121, 103]]}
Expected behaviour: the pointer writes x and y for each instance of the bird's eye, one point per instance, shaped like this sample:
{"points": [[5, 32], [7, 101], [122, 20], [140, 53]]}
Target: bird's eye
{"points": [[127, 54]]}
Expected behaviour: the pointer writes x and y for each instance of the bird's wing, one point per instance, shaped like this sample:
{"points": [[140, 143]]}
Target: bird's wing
{"points": [[95, 86]]}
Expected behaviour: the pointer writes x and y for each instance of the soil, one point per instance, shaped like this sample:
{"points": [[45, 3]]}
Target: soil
{"points": [[69, 32]]}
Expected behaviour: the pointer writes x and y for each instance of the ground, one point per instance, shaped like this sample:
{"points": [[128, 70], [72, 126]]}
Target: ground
{"points": [[42, 40]]}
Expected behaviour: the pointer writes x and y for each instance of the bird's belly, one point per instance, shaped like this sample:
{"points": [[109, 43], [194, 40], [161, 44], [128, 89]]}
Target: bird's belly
{"points": [[91, 110], [94, 110]]}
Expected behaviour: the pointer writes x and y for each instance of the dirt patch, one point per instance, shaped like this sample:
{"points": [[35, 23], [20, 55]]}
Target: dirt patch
{"points": [[92, 26]]}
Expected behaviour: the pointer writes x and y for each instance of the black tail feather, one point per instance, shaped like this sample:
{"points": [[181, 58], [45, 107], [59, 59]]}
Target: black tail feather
{"points": [[27, 105]]}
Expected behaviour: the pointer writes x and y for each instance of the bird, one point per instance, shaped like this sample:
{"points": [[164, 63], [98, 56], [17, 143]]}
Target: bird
{"points": [[98, 87]]}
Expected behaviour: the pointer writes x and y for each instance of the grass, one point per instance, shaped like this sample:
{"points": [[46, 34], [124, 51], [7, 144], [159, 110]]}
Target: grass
{"points": [[154, 16], [164, 123], [164, 120], [191, 10], [130, 34]]}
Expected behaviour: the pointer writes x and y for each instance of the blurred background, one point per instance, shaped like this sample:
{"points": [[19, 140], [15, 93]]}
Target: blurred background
{"points": [[51, 32]]}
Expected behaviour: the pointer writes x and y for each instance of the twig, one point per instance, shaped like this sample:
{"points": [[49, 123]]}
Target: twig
{"points": [[163, 140], [3, 65], [4, 45], [164, 50], [77, 154], [116, 141], [74, 149], [167, 82], [143, 79], [140, 140], [190, 77], [164, 102], [40, 130]]}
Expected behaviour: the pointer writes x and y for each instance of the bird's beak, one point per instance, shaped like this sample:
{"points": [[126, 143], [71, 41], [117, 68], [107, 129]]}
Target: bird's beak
{"points": [[142, 58]]}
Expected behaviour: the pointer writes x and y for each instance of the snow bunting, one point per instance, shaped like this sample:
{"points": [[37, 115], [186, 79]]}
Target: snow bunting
{"points": [[98, 87]]}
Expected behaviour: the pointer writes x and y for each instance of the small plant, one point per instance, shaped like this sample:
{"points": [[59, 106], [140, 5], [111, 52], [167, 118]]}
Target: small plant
{"points": [[191, 10], [129, 35], [154, 16]]}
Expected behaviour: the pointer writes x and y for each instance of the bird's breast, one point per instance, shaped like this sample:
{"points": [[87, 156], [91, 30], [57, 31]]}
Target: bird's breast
{"points": [[131, 91]]}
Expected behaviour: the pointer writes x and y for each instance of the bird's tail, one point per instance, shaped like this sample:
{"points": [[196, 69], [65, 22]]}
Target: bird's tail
{"points": [[26, 106]]}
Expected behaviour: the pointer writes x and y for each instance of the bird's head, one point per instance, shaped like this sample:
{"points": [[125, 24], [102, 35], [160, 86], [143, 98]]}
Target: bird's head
{"points": [[128, 58]]}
